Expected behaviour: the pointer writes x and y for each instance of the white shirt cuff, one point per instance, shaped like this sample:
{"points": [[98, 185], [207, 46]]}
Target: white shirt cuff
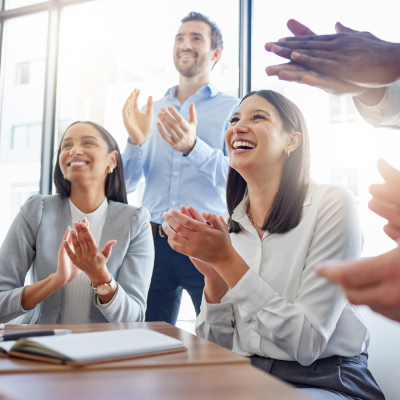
{"points": [[218, 313], [251, 294], [377, 112]]}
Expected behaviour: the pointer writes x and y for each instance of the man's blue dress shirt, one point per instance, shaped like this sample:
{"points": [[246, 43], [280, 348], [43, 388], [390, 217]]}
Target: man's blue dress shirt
{"points": [[173, 179]]}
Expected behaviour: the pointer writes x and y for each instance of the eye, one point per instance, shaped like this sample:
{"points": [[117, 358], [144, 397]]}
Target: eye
{"points": [[234, 120], [258, 116], [88, 143], [65, 145]]}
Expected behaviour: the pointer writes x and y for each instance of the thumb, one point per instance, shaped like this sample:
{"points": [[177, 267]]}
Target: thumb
{"points": [[213, 220], [226, 227], [341, 28], [107, 248], [298, 29], [149, 109], [192, 114], [390, 174]]}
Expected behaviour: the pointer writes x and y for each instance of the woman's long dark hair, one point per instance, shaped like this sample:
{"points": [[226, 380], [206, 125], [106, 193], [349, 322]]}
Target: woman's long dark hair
{"points": [[115, 182], [287, 207]]}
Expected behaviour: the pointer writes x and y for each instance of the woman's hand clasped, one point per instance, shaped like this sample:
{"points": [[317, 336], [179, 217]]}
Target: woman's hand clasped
{"points": [[208, 246], [87, 256]]}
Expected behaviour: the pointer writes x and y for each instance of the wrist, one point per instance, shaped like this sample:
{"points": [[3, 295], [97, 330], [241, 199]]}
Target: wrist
{"points": [[187, 151], [214, 291], [55, 282], [103, 276]]}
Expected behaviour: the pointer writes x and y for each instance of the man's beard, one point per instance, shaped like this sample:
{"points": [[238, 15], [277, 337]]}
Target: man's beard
{"points": [[199, 66]]}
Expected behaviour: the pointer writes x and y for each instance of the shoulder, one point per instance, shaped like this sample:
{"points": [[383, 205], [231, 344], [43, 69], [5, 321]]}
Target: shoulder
{"points": [[227, 99], [331, 194], [37, 205], [126, 212]]}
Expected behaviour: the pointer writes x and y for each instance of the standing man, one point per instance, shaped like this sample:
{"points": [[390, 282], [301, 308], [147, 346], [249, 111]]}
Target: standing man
{"points": [[182, 157]]}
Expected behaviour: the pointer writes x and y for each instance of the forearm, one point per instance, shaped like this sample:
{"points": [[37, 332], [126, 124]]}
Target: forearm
{"points": [[372, 97], [39, 291]]}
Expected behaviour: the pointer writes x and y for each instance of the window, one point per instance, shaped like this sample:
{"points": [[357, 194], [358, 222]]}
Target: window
{"points": [[22, 73], [10, 4], [342, 109], [25, 137]]}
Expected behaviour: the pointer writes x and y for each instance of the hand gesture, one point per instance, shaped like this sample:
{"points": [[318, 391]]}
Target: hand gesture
{"points": [[386, 199], [182, 134], [293, 72], [374, 282], [66, 270], [359, 58], [137, 124], [86, 255]]}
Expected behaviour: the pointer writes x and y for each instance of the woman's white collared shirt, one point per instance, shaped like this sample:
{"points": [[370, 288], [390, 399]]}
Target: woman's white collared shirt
{"points": [[281, 308]]}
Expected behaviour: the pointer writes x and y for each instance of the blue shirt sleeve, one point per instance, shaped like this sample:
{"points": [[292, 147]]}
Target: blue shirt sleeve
{"points": [[132, 158]]}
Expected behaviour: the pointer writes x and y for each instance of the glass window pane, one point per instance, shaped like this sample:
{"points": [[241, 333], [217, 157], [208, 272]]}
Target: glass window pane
{"points": [[21, 112], [10, 4], [107, 51], [344, 148]]}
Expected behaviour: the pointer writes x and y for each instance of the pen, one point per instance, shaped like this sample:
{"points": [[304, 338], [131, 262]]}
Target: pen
{"points": [[25, 334]]}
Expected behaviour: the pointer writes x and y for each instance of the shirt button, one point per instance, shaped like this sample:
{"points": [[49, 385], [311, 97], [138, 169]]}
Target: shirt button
{"points": [[176, 173], [139, 152], [226, 309], [173, 202]]}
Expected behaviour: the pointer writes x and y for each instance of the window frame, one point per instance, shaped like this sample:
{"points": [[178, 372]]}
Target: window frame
{"points": [[54, 8]]}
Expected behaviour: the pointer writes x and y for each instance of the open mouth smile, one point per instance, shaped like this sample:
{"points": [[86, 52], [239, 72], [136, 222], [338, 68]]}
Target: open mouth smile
{"points": [[77, 163], [243, 145]]}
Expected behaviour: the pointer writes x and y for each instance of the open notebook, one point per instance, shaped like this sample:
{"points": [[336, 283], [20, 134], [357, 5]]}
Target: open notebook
{"points": [[94, 347]]}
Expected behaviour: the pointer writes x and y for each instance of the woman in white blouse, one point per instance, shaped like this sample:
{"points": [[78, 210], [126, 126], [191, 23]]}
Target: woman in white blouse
{"points": [[76, 277], [262, 297]]}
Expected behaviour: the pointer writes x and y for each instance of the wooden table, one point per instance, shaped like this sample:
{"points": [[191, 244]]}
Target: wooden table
{"points": [[205, 371]]}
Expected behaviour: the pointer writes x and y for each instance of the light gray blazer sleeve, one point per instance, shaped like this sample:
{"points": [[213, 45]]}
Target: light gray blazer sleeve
{"points": [[16, 256], [134, 274]]}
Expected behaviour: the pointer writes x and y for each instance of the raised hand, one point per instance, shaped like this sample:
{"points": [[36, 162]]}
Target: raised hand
{"points": [[87, 256], [293, 72], [181, 133], [355, 57], [386, 199], [137, 124]]}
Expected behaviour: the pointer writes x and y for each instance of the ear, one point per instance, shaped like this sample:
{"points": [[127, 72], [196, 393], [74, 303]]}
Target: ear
{"points": [[216, 54], [294, 141], [113, 159]]}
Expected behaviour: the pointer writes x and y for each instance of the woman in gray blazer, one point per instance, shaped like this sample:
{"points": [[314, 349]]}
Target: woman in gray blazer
{"points": [[73, 280]]}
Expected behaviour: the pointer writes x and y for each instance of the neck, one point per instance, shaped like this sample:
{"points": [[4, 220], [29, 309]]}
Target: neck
{"points": [[189, 86], [87, 198], [262, 193]]}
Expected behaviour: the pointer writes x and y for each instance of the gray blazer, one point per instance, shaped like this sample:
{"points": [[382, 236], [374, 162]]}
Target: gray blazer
{"points": [[34, 239]]}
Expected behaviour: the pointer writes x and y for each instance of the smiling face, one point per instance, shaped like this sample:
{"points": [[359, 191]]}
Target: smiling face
{"points": [[192, 49], [84, 156], [256, 140]]}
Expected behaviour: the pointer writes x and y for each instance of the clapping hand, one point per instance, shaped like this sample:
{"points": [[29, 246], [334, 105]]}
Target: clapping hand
{"points": [[66, 270], [137, 124], [386, 199], [294, 72], [181, 133], [87, 256], [359, 58]]}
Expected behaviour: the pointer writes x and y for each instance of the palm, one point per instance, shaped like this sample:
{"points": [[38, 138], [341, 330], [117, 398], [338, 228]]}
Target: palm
{"points": [[137, 124]]}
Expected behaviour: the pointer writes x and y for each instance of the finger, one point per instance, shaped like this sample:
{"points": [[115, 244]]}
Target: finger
{"points": [[297, 28], [393, 232], [107, 248], [386, 192], [390, 174], [75, 244], [213, 220], [192, 114], [175, 237], [177, 247], [317, 38], [171, 130], [196, 215], [82, 240], [166, 137], [182, 223], [185, 211], [330, 85], [176, 125], [149, 108], [386, 210], [66, 234], [70, 253], [306, 45], [357, 274], [225, 225], [176, 116], [135, 99], [290, 67], [368, 295], [340, 28], [92, 247], [317, 64], [281, 51]]}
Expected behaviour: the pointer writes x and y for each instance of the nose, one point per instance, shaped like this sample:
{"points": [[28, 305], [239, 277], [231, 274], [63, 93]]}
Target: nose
{"points": [[240, 127], [185, 44], [76, 150]]}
